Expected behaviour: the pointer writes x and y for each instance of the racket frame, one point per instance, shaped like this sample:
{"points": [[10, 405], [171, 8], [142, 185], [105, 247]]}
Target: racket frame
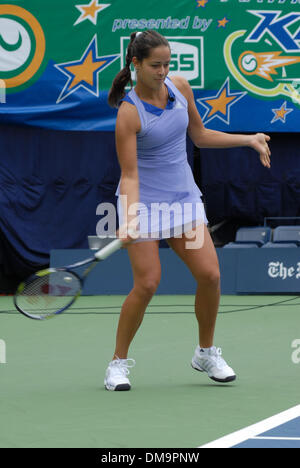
{"points": [[99, 256], [41, 273]]}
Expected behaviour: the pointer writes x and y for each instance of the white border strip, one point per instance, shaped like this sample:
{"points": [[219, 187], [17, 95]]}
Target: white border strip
{"points": [[251, 431], [275, 438]]}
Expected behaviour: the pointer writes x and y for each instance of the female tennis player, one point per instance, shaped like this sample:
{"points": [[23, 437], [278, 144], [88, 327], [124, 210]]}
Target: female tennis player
{"points": [[152, 122]]}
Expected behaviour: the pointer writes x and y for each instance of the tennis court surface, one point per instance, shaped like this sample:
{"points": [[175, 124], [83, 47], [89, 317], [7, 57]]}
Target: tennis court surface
{"points": [[52, 392]]}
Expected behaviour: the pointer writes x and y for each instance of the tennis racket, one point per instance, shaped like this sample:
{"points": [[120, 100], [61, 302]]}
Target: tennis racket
{"points": [[50, 292]]}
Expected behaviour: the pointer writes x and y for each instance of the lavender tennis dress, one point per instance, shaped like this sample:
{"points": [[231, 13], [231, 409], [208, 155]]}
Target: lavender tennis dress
{"points": [[170, 201]]}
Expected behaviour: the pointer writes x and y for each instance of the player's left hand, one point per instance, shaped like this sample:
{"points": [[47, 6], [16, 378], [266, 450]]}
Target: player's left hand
{"points": [[259, 142]]}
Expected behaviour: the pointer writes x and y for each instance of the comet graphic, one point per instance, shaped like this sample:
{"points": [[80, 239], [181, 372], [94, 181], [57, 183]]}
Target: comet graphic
{"points": [[264, 64]]}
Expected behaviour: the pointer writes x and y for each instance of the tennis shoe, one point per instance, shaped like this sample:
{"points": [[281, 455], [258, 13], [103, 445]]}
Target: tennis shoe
{"points": [[210, 360], [116, 375]]}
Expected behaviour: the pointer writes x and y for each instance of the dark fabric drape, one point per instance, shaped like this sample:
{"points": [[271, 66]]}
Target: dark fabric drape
{"points": [[237, 187], [51, 183]]}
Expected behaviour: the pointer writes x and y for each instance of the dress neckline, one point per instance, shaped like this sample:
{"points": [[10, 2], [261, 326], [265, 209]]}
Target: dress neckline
{"points": [[158, 110]]}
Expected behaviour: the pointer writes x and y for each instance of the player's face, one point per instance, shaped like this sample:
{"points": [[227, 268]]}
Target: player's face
{"points": [[153, 70]]}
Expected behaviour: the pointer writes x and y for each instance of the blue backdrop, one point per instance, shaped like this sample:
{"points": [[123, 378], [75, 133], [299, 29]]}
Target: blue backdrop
{"points": [[51, 183], [238, 187]]}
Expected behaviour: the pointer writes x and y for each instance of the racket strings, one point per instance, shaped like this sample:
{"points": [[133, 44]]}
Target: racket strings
{"points": [[49, 293]]}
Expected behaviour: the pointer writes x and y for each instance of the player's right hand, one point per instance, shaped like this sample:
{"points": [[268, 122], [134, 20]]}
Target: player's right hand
{"points": [[127, 234]]}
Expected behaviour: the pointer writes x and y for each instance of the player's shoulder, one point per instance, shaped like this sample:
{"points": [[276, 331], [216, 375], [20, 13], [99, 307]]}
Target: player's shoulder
{"points": [[128, 117], [181, 84], [127, 108]]}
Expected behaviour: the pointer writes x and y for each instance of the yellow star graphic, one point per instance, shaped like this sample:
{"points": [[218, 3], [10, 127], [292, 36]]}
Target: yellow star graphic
{"points": [[223, 22], [90, 11], [280, 113], [84, 71], [202, 3], [220, 104]]}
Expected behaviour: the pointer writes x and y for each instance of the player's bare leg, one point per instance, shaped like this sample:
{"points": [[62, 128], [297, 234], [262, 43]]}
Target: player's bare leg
{"points": [[145, 263], [203, 264]]}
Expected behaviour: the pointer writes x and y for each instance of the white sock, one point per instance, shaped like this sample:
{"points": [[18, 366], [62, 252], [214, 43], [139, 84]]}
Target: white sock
{"points": [[205, 350]]}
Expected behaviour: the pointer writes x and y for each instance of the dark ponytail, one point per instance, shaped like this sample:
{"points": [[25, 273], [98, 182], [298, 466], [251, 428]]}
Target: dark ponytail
{"points": [[140, 46], [117, 91]]}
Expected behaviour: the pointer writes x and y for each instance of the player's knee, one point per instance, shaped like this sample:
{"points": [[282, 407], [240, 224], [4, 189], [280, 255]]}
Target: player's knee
{"points": [[211, 277], [149, 285]]}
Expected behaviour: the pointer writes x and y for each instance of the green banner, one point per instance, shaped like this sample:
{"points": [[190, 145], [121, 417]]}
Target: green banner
{"points": [[241, 58]]}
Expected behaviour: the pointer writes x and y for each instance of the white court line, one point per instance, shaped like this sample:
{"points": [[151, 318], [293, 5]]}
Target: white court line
{"points": [[250, 432]]}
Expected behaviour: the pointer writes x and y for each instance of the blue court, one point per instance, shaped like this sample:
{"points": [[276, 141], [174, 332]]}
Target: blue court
{"points": [[283, 431], [283, 436]]}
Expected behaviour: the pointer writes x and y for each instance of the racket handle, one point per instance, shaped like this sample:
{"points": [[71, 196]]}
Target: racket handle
{"points": [[109, 249]]}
